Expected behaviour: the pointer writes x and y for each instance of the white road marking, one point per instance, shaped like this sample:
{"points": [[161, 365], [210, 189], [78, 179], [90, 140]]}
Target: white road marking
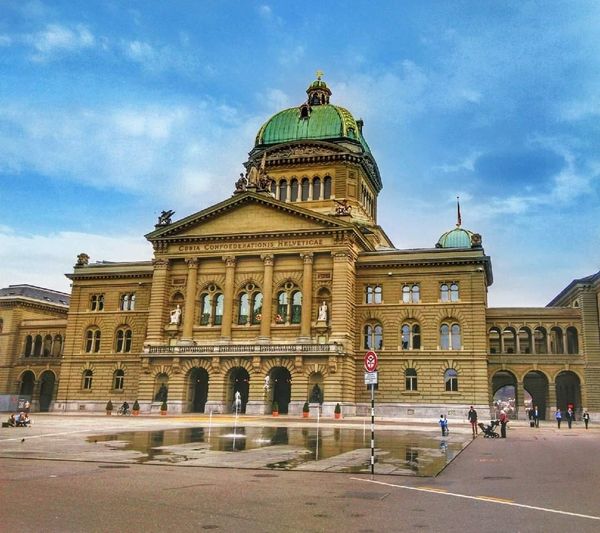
{"points": [[487, 499]]}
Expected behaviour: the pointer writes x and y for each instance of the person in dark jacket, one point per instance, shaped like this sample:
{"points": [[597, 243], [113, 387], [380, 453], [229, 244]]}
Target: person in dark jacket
{"points": [[586, 418], [472, 416]]}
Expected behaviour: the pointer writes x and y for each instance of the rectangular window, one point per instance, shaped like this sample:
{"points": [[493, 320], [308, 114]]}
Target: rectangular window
{"points": [[373, 294], [127, 301], [411, 293], [97, 302]]}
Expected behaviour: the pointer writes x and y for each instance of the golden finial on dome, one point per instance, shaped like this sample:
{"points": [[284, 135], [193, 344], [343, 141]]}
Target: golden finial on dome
{"points": [[320, 74]]}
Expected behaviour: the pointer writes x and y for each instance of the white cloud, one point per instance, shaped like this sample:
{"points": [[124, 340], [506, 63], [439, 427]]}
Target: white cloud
{"points": [[174, 151], [265, 11], [42, 260], [57, 38], [5, 40]]}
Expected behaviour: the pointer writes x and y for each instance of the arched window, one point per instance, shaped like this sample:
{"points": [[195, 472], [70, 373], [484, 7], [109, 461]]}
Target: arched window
{"points": [[294, 190], [454, 297], [244, 309], [451, 380], [57, 346], [411, 336], [316, 195], [123, 344], [283, 190], [540, 339], [449, 292], [305, 189], [127, 301], [97, 302], [410, 379], [211, 306], [118, 380], [87, 378], [47, 351], [250, 305], [410, 293], [37, 346], [373, 294], [572, 340], [28, 350], [273, 187], [289, 304], [326, 188], [556, 341], [92, 340], [373, 337], [257, 303], [525, 340], [494, 340], [509, 338], [450, 336]]}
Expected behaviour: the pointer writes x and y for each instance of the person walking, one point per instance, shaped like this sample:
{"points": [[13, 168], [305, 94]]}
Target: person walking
{"points": [[472, 416], [570, 417], [443, 422], [503, 421], [586, 418], [558, 416], [536, 416]]}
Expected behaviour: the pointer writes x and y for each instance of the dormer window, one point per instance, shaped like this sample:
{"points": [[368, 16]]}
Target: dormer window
{"points": [[304, 111]]}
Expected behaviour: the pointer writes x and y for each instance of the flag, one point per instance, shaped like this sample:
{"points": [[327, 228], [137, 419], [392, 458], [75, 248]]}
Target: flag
{"points": [[458, 217]]}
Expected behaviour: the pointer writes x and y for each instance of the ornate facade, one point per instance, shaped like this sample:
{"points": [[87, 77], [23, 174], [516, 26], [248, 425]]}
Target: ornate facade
{"points": [[278, 292]]}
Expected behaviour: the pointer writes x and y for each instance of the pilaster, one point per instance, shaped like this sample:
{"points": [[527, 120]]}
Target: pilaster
{"points": [[190, 299], [267, 309], [228, 296], [306, 296], [154, 333]]}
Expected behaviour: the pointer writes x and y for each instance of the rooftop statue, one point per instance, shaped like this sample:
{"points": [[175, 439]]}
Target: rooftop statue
{"points": [[164, 219]]}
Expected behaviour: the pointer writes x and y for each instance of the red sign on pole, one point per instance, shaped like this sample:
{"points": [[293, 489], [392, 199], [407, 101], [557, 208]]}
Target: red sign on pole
{"points": [[370, 361]]}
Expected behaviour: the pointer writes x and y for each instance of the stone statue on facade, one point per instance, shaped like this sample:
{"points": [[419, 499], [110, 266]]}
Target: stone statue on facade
{"points": [[164, 219], [237, 402], [161, 395], [82, 260], [323, 312], [176, 315], [316, 395], [343, 208], [241, 184]]}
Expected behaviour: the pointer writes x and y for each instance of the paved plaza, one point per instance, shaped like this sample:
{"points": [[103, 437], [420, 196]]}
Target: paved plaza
{"points": [[68, 474]]}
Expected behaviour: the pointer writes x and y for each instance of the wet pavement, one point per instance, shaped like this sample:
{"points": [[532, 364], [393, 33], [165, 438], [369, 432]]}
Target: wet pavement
{"points": [[285, 443]]}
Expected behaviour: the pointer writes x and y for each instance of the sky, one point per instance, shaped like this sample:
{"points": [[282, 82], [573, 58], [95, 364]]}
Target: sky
{"points": [[111, 111]]}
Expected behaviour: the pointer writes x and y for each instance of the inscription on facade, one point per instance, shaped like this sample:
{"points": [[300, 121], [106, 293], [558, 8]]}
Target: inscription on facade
{"points": [[256, 245]]}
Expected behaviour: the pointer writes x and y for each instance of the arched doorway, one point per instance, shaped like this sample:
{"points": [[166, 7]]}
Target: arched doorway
{"points": [[239, 380], [47, 381], [198, 389], [282, 387], [536, 384], [504, 387], [27, 383], [568, 391]]}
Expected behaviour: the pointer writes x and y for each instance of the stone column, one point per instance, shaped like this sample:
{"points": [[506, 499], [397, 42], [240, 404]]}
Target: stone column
{"points": [[342, 297], [307, 283], [267, 308], [228, 297], [154, 333], [520, 401], [190, 299], [551, 403]]}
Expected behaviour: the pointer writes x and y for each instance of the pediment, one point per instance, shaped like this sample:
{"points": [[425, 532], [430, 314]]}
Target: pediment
{"points": [[248, 214]]}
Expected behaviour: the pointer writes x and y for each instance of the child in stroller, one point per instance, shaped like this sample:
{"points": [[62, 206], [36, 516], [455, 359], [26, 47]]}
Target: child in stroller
{"points": [[488, 431]]}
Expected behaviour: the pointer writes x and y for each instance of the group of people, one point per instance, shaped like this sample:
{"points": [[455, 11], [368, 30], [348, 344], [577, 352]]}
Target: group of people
{"points": [[570, 416], [19, 420]]}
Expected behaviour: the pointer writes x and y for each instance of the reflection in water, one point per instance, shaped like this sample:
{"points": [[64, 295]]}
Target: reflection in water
{"points": [[408, 452]]}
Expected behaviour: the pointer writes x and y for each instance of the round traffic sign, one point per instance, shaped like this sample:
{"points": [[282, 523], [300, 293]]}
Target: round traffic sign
{"points": [[370, 361]]}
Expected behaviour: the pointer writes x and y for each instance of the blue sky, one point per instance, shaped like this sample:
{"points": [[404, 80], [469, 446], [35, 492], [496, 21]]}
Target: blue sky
{"points": [[112, 111]]}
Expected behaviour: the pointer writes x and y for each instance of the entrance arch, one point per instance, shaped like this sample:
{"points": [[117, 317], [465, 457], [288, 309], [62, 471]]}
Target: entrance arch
{"points": [[47, 381], [198, 389], [239, 380], [504, 387], [27, 383], [568, 390], [282, 387], [536, 384]]}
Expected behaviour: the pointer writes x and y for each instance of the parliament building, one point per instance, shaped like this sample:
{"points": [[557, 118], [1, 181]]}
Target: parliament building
{"points": [[278, 292]]}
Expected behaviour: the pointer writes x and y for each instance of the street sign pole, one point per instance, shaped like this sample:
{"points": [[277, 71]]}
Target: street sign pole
{"points": [[371, 361], [372, 431]]}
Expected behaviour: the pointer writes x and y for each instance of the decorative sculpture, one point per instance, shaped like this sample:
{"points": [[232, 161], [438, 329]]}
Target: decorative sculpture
{"points": [[242, 184], [322, 316], [164, 219], [176, 315], [343, 208], [82, 259], [316, 395], [161, 395]]}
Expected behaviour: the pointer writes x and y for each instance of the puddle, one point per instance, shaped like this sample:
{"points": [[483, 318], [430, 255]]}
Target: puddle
{"points": [[331, 449]]}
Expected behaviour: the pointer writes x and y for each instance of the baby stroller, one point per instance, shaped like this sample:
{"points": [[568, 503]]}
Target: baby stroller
{"points": [[488, 431]]}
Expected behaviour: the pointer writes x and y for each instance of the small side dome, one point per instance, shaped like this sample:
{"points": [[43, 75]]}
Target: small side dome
{"points": [[459, 238]]}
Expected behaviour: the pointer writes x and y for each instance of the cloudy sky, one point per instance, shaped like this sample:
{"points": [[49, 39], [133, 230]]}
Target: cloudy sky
{"points": [[111, 111]]}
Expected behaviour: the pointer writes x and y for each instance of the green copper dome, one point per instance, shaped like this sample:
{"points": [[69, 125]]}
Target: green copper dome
{"points": [[316, 119], [456, 238]]}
